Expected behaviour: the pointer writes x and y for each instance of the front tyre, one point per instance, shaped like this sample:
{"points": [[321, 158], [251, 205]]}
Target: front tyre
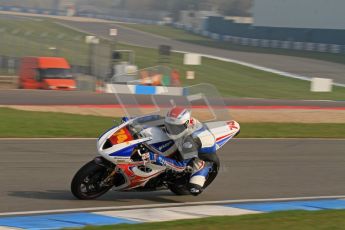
{"points": [[87, 184]]}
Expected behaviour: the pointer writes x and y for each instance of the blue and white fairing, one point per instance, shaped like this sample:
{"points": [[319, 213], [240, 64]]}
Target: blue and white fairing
{"points": [[119, 152], [152, 135]]}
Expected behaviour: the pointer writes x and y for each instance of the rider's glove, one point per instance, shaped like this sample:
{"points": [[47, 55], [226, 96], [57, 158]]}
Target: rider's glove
{"points": [[148, 156], [124, 119]]}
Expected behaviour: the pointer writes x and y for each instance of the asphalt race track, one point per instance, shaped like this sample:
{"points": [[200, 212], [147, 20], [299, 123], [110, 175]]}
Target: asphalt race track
{"points": [[50, 97], [296, 65], [36, 174]]}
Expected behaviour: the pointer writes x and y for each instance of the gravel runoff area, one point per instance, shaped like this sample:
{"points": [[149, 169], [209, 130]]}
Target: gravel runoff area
{"points": [[241, 115]]}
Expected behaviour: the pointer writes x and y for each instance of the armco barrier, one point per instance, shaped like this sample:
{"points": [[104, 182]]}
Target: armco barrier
{"points": [[143, 89], [266, 43], [224, 26]]}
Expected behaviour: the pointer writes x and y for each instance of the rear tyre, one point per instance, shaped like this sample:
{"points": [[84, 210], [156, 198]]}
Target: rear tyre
{"points": [[86, 183]]}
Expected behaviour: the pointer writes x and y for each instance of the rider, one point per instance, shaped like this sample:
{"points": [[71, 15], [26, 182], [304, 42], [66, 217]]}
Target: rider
{"points": [[192, 139]]}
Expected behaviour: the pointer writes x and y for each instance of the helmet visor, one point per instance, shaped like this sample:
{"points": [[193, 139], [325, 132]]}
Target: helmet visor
{"points": [[175, 129]]}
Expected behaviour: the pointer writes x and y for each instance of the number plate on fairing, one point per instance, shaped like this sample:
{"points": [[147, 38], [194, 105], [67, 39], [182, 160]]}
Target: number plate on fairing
{"points": [[122, 135]]}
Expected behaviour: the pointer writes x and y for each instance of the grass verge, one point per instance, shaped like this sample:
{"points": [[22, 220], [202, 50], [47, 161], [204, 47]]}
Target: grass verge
{"points": [[292, 130], [185, 36], [290, 220], [17, 123]]}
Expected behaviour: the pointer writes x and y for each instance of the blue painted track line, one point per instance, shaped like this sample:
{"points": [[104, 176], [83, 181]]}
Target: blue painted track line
{"points": [[58, 221]]}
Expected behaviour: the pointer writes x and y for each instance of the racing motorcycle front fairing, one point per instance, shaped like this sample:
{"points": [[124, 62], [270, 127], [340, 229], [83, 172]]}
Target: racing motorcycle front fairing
{"points": [[124, 144], [118, 143]]}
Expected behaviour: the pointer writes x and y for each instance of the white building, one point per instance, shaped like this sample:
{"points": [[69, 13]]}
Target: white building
{"points": [[315, 14]]}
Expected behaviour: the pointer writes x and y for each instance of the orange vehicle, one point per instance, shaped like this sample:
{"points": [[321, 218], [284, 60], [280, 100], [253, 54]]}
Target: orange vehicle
{"points": [[45, 73]]}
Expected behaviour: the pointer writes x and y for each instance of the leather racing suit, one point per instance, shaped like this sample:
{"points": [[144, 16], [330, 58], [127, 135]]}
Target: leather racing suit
{"points": [[198, 148]]}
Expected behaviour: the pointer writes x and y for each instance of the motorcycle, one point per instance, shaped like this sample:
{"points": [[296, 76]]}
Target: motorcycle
{"points": [[121, 164]]}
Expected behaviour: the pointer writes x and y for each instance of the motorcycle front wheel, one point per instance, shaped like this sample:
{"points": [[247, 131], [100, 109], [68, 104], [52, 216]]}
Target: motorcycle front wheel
{"points": [[87, 182]]}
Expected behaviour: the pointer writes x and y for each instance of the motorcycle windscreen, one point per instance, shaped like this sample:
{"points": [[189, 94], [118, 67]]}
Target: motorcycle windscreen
{"points": [[133, 90], [210, 114]]}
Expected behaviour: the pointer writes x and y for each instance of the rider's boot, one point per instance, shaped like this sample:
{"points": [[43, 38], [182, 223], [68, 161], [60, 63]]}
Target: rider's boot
{"points": [[200, 172]]}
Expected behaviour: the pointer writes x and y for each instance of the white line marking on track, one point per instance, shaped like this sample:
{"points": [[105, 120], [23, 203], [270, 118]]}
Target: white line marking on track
{"points": [[93, 209], [174, 213]]}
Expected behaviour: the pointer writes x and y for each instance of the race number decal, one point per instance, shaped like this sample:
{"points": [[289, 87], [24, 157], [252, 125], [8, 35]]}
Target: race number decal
{"points": [[232, 125], [121, 136]]}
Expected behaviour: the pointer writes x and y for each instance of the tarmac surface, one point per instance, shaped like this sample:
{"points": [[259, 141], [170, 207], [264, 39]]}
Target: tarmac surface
{"points": [[296, 65], [49, 97], [36, 174]]}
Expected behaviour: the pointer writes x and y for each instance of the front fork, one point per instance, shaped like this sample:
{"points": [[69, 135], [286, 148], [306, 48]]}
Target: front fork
{"points": [[110, 168]]}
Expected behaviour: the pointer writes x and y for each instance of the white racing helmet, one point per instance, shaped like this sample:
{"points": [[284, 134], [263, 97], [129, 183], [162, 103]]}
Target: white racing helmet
{"points": [[177, 122]]}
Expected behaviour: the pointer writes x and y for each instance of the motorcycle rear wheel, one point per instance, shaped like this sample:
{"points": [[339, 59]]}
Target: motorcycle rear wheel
{"points": [[86, 184]]}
